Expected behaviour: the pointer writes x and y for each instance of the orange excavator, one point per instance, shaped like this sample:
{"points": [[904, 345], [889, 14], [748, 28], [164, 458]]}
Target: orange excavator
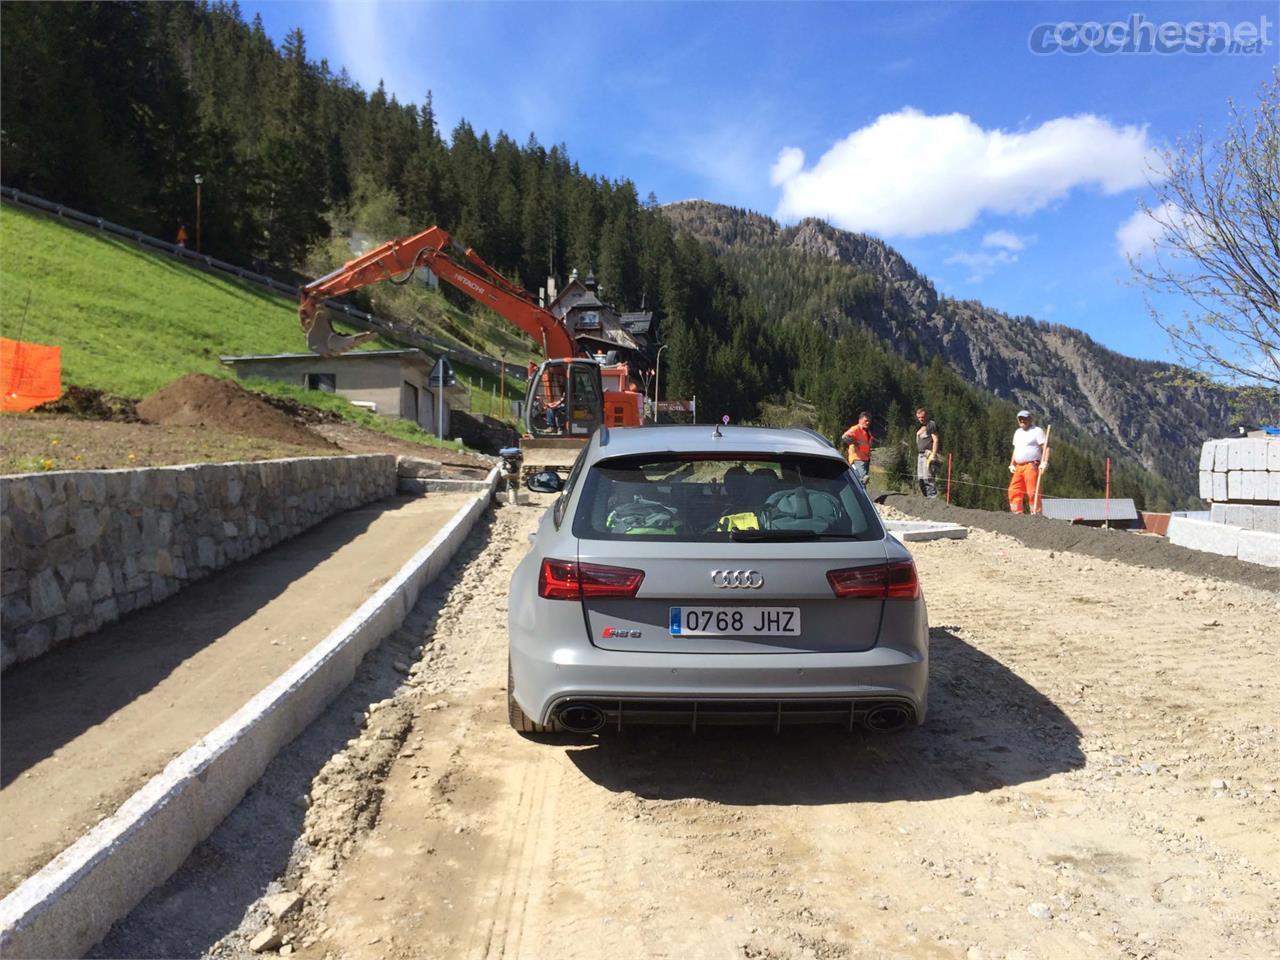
{"points": [[567, 397]]}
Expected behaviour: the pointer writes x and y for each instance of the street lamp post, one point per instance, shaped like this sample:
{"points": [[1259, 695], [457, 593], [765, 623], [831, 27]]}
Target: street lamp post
{"points": [[657, 380], [199, 237], [646, 378]]}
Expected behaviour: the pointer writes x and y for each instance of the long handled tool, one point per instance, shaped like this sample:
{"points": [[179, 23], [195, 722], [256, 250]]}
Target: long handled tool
{"points": [[1044, 462]]}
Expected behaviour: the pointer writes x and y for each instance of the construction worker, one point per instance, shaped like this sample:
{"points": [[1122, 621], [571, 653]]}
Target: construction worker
{"points": [[926, 453], [1028, 450], [857, 441], [182, 234]]}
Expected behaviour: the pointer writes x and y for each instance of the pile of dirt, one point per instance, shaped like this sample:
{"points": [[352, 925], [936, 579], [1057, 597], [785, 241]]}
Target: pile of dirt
{"points": [[199, 400], [298, 411], [90, 404], [1134, 548]]}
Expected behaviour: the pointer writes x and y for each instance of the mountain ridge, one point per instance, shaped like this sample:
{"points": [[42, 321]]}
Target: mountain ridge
{"points": [[1154, 412]]}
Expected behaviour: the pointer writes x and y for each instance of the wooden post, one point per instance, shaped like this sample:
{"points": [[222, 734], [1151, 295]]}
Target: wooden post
{"points": [[948, 478], [1044, 462]]}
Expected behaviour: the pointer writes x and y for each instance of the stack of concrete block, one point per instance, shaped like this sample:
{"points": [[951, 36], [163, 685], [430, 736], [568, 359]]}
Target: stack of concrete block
{"points": [[1244, 470], [1241, 480], [1247, 516]]}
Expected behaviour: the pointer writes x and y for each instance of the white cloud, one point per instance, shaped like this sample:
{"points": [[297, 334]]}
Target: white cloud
{"points": [[1000, 248], [790, 162], [1139, 236], [1004, 240], [910, 174], [983, 263]]}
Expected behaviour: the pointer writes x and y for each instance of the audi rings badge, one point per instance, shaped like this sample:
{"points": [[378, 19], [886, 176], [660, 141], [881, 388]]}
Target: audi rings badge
{"points": [[737, 579]]}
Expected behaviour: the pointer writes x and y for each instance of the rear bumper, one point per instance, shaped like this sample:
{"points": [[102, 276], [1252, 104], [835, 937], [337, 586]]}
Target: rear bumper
{"points": [[873, 713], [634, 687]]}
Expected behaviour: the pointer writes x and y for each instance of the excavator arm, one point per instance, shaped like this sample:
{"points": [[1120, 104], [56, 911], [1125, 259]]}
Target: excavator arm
{"points": [[396, 260]]}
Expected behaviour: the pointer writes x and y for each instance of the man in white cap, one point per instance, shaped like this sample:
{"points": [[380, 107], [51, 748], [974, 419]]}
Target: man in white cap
{"points": [[1028, 450]]}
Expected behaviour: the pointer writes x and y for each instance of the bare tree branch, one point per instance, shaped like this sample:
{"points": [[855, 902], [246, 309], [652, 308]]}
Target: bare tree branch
{"points": [[1217, 213]]}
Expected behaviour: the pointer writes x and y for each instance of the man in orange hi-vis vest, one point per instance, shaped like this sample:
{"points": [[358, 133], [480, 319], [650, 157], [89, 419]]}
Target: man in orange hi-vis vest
{"points": [[858, 439], [1028, 450]]}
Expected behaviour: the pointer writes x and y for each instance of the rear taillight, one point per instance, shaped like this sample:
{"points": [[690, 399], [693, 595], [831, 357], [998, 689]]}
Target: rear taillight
{"points": [[887, 581], [567, 580]]}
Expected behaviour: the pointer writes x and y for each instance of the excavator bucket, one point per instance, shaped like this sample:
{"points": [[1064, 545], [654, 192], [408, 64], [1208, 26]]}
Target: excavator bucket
{"points": [[322, 339]]}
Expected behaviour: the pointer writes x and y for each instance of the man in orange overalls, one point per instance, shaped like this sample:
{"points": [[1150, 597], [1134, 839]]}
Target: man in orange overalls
{"points": [[858, 439], [1028, 450]]}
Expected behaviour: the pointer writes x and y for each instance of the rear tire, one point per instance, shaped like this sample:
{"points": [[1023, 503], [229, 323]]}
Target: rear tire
{"points": [[519, 720]]}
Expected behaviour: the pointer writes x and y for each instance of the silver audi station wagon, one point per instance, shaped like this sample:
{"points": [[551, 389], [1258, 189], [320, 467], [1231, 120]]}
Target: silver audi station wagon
{"points": [[711, 575]]}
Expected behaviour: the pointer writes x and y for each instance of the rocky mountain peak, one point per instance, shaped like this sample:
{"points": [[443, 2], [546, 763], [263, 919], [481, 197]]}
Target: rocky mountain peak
{"points": [[1154, 413]]}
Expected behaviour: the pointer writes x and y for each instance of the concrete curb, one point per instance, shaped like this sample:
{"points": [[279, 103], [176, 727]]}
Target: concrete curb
{"points": [[1198, 532], [919, 530], [1204, 535], [439, 485], [71, 903]]}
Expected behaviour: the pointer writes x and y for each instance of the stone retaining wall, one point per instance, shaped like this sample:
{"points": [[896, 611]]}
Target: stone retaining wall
{"points": [[83, 548]]}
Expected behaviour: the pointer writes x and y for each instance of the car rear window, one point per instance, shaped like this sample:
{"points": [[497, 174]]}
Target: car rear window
{"points": [[699, 499]]}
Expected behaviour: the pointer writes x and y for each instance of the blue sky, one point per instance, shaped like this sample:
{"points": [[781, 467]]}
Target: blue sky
{"points": [[1004, 175]]}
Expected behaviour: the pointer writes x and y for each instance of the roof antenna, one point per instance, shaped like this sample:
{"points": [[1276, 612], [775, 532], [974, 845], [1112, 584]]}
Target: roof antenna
{"points": [[717, 434]]}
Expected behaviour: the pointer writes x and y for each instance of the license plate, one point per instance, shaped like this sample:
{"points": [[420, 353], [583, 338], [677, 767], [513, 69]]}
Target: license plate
{"points": [[735, 621]]}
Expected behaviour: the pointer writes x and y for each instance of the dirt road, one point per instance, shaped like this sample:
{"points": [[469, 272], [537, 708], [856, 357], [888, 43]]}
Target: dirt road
{"points": [[1097, 778]]}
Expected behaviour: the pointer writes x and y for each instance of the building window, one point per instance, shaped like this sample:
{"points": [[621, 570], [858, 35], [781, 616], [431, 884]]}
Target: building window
{"points": [[324, 382]]}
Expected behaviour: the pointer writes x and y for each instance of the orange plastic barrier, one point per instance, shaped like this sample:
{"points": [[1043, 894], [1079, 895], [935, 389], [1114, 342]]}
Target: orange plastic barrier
{"points": [[30, 374]]}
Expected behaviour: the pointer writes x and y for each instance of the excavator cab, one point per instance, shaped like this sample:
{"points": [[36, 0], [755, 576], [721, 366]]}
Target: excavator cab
{"points": [[565, 399]]}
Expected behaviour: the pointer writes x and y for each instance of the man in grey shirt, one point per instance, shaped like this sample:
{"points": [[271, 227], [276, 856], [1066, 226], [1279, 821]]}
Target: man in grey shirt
{"points": [[926, 453]]}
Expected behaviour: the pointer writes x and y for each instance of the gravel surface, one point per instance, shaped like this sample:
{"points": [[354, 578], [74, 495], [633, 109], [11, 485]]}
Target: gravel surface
{"points": [[1138, 549], [1097, 778]]}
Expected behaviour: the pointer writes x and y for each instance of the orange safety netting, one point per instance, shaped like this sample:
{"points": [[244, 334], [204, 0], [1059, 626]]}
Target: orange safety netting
{"points": [[30, 374]]}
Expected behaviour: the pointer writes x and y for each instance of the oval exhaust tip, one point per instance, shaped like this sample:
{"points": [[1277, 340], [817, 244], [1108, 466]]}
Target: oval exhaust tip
{"points": [[887, 718], [581, 718]]}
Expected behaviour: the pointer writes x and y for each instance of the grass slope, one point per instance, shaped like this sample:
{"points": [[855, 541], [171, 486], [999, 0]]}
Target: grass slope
{"points": [[130, 321]]}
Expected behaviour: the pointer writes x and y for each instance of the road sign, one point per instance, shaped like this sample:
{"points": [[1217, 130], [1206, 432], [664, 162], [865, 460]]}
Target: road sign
{"points": [[442, 374]]}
